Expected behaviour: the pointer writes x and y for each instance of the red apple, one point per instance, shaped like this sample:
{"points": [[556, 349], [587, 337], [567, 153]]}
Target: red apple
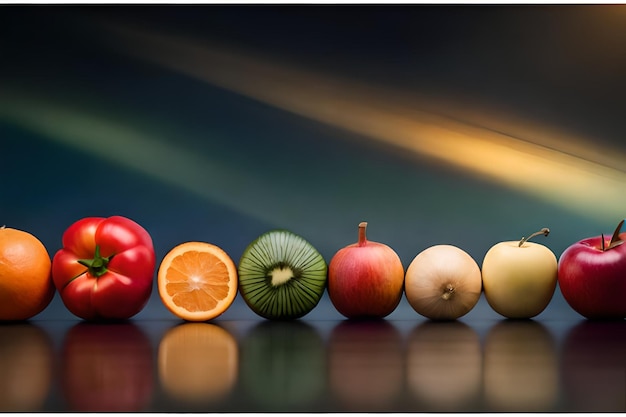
{"points": [[365, 279], [592, 276]]}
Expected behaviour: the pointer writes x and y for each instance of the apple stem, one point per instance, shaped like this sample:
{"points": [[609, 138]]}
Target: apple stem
{"points": [[615, 239], [362, 238], [545, 231]]}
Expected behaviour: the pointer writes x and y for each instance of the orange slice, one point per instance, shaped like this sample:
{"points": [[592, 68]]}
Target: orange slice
{"points": [[197, 281]]}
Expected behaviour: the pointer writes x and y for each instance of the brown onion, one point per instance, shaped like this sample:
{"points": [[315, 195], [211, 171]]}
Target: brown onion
{"points": [[443, 282]]}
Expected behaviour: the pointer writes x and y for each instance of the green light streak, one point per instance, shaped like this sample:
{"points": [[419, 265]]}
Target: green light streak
{"points": [[123, 144]]}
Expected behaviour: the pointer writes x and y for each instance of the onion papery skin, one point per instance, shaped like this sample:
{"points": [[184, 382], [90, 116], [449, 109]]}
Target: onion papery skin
{"points": [[438, 270]]}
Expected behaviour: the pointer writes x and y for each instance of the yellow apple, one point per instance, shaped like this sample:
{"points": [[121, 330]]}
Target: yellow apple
{"points": [[519, 277]]}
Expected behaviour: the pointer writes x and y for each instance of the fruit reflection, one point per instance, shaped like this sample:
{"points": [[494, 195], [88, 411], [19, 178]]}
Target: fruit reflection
{"points": [[444, 366], [282, 367], [365, 365], [593, 367], [197, 363], [520, 367], [106, 367], [26, 359]]}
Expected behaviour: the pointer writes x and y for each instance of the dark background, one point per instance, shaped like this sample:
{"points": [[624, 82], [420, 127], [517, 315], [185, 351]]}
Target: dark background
{"points": [[218, 123], [90, 127]]}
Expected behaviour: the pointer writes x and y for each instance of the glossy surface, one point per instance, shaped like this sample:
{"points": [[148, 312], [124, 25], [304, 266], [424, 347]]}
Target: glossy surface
{"points": [[309, 365]]}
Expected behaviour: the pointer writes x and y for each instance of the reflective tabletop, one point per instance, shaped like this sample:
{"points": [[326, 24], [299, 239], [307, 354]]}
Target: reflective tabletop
{"points": [[476, 364]]}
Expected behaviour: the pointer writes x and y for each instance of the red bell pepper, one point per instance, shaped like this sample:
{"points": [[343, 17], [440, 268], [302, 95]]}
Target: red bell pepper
{"points": [[105, 269]]}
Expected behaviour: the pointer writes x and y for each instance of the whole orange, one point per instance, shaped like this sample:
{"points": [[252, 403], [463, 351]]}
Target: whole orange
{"points": [[26, 287]]}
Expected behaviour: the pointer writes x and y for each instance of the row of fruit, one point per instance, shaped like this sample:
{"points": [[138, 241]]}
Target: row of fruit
{"points": [[105, 270]]}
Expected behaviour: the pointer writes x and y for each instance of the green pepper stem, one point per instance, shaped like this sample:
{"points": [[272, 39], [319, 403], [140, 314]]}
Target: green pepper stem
{"points": [[98, 265], [545, 231]]}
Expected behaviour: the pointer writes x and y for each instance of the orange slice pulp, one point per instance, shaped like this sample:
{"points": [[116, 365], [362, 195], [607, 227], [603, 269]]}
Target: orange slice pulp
{"points": [[197, 281]]}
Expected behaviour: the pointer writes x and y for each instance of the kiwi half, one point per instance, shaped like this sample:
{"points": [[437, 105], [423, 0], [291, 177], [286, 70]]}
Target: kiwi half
{"points": [[281, 275]]}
